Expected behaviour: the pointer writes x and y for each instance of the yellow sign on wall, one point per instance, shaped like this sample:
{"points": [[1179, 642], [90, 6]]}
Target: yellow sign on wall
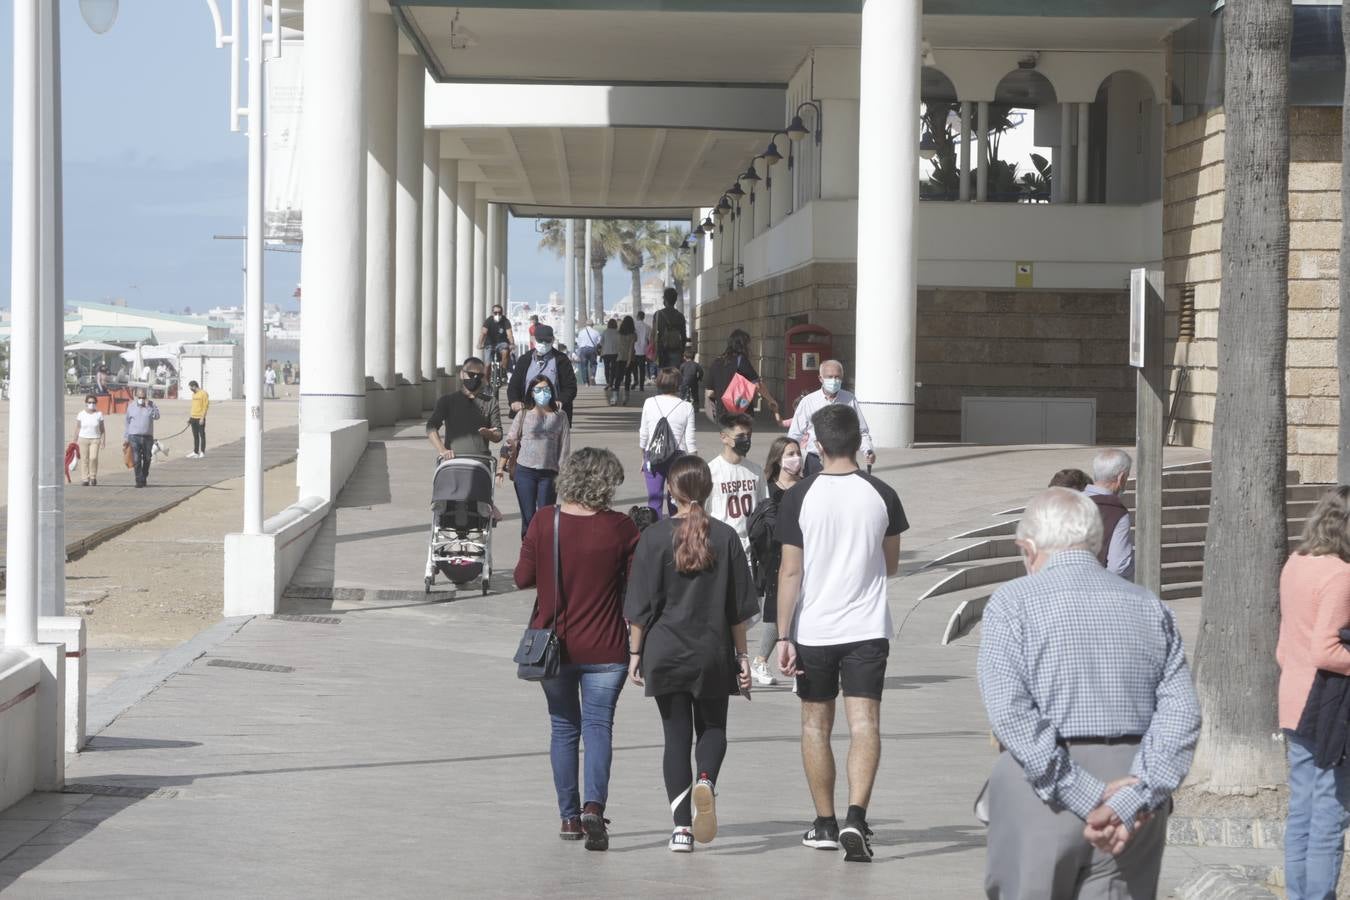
{"points": [[1024, 274]]}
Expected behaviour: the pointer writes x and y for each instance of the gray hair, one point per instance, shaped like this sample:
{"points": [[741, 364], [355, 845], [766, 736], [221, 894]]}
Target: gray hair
{"points": [[1328, 530], [832, 362], [589, 478], [1108, 465], [1061, 519]]}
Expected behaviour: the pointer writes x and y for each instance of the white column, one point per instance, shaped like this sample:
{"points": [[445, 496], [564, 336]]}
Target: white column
{"points": [[480, 265], [447, 221], [492, 289], [21, 538], [982, 150], [838, 159], [431, 170], [51, 414], [504, 253], [253, 302], [332, 267], [1083, 128], [569, 323], [381, 79], [591, 292], [466, 329], [965, 150], [408, 237], [1063, 168], [577, 252], [888, 151]]}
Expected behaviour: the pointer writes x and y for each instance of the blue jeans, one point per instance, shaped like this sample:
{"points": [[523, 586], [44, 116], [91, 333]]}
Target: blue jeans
{"points": [[1315, 829], [587, 357], [581, 701], [534, 489]]}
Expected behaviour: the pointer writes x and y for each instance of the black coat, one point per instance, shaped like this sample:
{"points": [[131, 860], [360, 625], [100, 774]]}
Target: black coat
{"points": [[566, 386], [1325, 722]]}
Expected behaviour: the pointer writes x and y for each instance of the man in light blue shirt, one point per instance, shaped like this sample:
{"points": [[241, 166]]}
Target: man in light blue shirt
{"points": [[140, 434], [1110, 472]]}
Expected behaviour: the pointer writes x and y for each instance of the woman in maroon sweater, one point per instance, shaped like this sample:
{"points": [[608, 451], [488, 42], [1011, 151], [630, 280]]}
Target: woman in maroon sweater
{"points": [[596, 544]]}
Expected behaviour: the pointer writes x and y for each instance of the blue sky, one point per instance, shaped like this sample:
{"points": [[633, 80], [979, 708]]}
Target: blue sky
{"points": [[152, 170]]}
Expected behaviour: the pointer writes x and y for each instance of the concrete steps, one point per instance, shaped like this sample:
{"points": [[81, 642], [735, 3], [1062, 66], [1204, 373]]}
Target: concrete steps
{"points": [[992, 557]]}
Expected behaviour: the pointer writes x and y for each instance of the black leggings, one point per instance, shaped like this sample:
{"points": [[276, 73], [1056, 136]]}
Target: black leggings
{"points": [[198, 435], [683, 716], [611, 372]]}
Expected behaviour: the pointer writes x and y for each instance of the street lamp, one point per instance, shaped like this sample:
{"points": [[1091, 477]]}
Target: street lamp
{"points": [[927, 146], [797, 129], [99, 15]]}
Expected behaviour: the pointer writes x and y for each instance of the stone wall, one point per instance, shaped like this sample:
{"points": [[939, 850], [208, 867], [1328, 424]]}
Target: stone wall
{"points": [[983, 343], [1024, 344], [1192, 225]]}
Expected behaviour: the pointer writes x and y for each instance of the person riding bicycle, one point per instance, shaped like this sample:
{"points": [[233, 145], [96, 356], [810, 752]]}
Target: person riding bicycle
{"points": [[496, 338]]}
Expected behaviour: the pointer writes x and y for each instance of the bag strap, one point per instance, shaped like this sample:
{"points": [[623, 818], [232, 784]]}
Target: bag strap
{"points": [[559, 602]]}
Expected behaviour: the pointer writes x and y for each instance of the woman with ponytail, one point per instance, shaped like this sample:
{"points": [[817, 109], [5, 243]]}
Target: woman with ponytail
{"points": [[688, 602]]}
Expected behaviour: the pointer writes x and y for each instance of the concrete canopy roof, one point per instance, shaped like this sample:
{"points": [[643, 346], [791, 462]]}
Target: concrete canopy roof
{"points": [[598, 172]]}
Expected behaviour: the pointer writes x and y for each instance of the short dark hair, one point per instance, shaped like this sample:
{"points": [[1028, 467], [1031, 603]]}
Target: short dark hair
{"points": [[1074, 479], [731, 421], [194, 385], [838, 433], [642, 314], [668, 296], [470, 359]]}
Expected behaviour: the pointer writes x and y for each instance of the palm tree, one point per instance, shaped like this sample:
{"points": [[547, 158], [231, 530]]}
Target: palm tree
{"points": [[669, 251], [606, 239], [1235, 672]]}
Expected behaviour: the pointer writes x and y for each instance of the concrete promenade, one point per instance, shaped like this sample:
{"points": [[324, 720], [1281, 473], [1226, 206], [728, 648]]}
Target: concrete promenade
{"points": [[382, 746]]}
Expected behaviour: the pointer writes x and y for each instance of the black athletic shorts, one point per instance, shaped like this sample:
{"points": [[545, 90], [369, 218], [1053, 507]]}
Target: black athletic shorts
{"points": [[860, 667]]}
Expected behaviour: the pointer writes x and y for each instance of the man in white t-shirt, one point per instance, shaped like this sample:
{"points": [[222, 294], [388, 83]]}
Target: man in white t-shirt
{"points": [[738, 484], [641, 345], [840, 531]]}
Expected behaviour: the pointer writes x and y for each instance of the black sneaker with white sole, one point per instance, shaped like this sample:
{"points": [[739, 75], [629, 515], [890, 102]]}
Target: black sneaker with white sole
{"points": [[822, 835], [856, 839]]}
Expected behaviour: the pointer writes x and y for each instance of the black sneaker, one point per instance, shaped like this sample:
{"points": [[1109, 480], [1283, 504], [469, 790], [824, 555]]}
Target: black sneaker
{"points": [[856, 839], [822, 835], [593, 822]]}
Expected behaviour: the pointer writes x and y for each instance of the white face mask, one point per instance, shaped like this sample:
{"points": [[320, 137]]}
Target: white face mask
{"points": [[140, 401], [91, 406], [831, 385]]}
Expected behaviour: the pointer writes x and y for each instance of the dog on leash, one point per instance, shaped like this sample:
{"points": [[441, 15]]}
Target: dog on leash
{"points": [[158, 449]]}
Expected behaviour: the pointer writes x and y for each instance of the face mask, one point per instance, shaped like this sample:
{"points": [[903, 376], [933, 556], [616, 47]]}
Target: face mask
{"points": [[831, 385], [544, 347], [91, 406], [473, 382], [742, 445], [543, 396], [791, 464], [140, 401], [497, 316]]}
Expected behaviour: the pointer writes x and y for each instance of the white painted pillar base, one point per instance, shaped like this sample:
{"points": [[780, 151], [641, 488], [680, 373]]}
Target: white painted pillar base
{"points": [[888, 151], [49, 773], [70, 632]]}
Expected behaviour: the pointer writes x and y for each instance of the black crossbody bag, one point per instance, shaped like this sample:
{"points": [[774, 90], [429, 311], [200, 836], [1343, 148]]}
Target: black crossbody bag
{"points": [[539, 655]]}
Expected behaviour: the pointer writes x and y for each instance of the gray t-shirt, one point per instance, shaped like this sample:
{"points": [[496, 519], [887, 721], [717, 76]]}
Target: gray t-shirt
{"points": [[545, 440]]}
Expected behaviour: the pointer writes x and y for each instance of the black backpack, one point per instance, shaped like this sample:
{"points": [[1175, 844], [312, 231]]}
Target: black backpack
{"points": [[662, 448], [763, 551]]}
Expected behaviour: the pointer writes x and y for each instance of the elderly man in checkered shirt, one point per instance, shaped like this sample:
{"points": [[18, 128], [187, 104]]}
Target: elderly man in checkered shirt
{"points": [[1085, 681]]}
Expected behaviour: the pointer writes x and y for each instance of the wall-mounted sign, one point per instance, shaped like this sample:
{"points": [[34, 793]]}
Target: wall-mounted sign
{"points": [[1023, 274]]}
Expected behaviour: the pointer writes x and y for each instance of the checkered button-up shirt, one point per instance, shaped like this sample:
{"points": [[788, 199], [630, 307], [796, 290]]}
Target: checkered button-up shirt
{"points": [[1076, 652]]}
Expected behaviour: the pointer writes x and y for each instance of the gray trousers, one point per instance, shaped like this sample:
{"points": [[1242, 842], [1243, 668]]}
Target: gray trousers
{"points": [[1038, 853]]}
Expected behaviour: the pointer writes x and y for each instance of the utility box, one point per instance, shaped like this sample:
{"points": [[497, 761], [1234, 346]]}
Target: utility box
{"points": [[218, 368], [805, 348]]}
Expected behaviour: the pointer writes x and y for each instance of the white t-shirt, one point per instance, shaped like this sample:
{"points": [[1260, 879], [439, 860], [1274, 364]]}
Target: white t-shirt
{"points": [[678, 413], [270, 376], [643, 331], [839, 522], [89, 422], [736, 488]]}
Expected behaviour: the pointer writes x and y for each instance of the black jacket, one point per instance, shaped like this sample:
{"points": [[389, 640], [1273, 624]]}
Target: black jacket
{"points": [[566, 386], [1325, 722]]}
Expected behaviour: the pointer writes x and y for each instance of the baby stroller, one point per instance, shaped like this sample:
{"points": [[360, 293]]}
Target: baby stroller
{"points": [[461, 523]]}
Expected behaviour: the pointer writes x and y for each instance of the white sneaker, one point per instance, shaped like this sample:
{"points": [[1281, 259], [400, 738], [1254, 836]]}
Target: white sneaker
{"points": [[681, 841], [189, 456], [759, 670], [704, 801]]}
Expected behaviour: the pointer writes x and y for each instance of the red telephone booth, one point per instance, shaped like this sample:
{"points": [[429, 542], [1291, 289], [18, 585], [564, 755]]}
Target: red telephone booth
{"points": [[806, 347]]}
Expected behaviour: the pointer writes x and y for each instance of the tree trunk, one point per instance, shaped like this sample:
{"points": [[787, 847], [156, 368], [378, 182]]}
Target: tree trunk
{"points": [[1236, 675], [598, 289], [636, 276], [1343, 342], [579, 269]]}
